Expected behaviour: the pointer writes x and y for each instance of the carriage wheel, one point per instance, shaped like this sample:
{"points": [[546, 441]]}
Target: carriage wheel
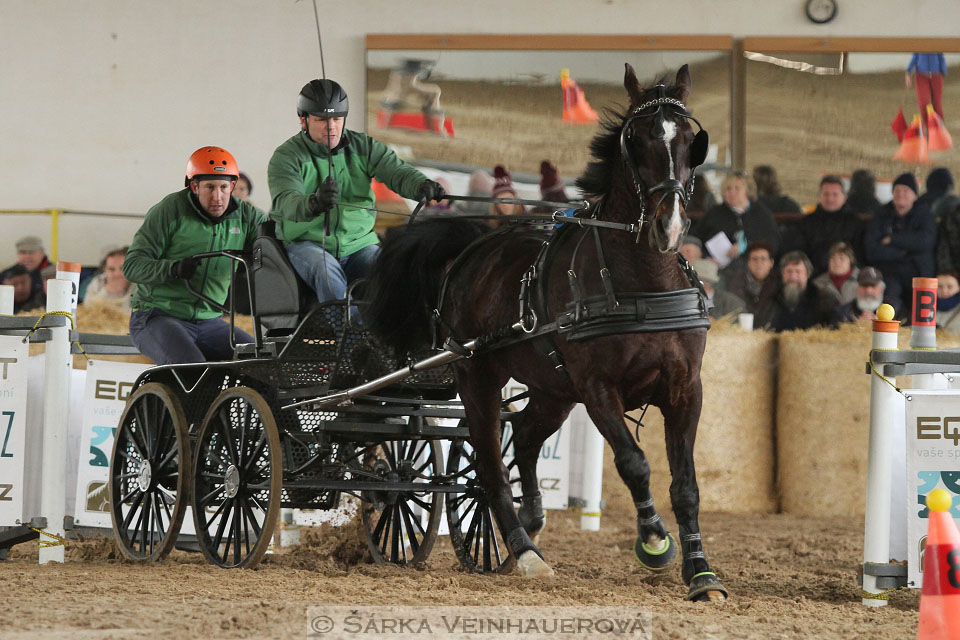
{"points": [[474, 533], [401, 526], [148, 494], [237, 475]]}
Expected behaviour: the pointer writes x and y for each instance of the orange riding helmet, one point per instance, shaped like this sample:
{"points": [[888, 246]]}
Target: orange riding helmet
{"points": [[211, 162]]}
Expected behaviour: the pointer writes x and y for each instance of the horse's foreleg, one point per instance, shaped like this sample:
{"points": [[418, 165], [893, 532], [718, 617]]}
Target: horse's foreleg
{"points": [[481, 400], [540, 419], [680, 422], [655, 549]]}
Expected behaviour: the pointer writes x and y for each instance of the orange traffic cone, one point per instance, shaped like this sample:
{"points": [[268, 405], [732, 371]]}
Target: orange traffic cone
{"points": [[914, 146], [940, 598], [940, 139], [575, 106]]}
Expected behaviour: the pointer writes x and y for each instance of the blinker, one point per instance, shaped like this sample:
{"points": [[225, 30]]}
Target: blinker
{"points": [[698, 148]]}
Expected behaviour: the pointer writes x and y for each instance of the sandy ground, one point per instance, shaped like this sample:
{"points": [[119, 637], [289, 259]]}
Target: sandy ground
{"points": [[789, 577], [803, 124]]}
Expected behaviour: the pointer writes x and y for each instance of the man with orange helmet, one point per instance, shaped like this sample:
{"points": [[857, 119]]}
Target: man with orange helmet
{"points": [[168, 323], [320, 185]]}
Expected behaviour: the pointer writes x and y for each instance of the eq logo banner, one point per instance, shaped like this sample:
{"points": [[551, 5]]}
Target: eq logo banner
{"points": [[108, 385], [933, 462], [13, 421]]}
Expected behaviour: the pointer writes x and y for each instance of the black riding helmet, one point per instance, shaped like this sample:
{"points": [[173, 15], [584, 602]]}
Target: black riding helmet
{"points": [[322, 98]]}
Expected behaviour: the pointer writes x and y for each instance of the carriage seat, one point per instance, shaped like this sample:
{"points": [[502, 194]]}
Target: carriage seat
{"points": [[283, 298]]}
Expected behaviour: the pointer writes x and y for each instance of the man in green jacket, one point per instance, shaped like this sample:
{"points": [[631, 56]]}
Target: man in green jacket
{"points": [[322, 199], [169, 324]]}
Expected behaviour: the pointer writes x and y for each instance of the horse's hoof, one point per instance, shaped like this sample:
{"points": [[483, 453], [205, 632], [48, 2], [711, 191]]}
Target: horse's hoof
{"points": [[706, 587], [654, 559], [532, 566]]}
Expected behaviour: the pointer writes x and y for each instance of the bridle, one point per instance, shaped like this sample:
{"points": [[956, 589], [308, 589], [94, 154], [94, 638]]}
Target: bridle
{"points": [[670, 186]]}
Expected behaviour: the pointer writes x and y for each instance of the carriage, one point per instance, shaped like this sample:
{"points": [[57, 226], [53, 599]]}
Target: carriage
{"points": [[234, 442], [604, 319]]}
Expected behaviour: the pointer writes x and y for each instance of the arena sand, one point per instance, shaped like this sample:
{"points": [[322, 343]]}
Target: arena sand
{"points": [[789, 577]]}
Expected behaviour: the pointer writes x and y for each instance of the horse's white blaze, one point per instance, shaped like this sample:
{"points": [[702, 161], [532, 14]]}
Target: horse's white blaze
{"points": [[669, 133], [674, 226]]}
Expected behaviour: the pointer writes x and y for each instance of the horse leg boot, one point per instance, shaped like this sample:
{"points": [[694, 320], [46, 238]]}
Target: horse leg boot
{"points": [[681, 430], [538, 421], [654, 548]]}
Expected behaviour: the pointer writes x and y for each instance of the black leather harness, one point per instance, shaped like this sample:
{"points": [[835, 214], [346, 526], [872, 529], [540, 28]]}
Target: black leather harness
{"points": [[612, 312]]}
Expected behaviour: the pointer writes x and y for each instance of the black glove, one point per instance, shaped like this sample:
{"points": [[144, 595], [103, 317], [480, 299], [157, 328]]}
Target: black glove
{"points": [[325, 197], [186, 268], [430, 190]]}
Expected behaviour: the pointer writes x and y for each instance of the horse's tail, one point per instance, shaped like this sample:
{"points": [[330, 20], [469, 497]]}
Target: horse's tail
{"points": [[405, 282]]}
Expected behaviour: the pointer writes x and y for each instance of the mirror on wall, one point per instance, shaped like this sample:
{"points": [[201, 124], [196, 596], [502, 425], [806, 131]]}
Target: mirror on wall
{"points": [[835, 116], [506, 106]]}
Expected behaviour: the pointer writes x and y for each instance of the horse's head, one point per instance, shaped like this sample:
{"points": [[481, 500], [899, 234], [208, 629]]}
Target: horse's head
{"points": [[660, 153]]}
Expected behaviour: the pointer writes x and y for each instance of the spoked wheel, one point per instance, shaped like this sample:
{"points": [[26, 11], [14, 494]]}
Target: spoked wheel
{"points": [[237, 475], [148, 492], [474, 533], [401, 526]]}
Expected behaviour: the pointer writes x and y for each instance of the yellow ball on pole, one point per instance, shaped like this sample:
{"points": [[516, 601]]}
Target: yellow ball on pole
{"points": [[885, 312], [939, 500]]}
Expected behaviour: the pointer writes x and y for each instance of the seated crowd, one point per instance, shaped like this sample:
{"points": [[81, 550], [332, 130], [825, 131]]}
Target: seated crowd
{"points": [[835, 264]]}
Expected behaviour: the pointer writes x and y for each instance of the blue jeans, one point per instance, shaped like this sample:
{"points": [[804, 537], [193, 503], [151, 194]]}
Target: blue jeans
{"points": [[326, 275], [168, 340]]}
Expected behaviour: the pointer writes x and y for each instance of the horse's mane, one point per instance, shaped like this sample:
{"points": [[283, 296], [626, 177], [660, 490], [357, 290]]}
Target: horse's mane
{"points": [[605, 146]]}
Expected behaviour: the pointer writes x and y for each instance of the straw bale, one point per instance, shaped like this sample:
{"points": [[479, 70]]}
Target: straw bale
{"points": [[734, 453], [823, 417]]}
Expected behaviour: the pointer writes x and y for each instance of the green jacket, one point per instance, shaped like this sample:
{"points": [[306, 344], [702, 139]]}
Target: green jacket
{"points": [[299, 165], [177, 228]]}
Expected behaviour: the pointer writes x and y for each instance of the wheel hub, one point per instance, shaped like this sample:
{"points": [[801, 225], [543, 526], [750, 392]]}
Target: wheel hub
{"points": [[231, 481], [144, 475]]}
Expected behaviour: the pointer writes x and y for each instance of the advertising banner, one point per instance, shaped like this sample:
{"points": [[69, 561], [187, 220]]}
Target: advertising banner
{"points": [[933, 462], [13, 423], [108, 385]]}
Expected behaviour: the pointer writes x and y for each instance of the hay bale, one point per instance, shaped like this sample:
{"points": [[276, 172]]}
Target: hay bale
{"points": [[734, 453], [823, 418]]}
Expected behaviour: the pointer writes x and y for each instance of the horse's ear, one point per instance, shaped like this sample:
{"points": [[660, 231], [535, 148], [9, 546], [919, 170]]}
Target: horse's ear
{"points": [[683, 83], [632, 85]]}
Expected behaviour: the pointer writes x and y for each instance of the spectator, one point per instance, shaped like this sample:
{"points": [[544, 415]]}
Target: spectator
{"points": [[110, 284], [862, 197], [551, 187], [757, 285], [768, 191], [702, 198], [244, 188], [948, 302], [24, 298], [938, 197], [840, 279], [480, 186], [503, 188], [719, 302], [331, 244], [863, 307], [169, 324], [30, 254], [797, 305], [830, 222], [691, 248], [900, 242], [741, 220]]}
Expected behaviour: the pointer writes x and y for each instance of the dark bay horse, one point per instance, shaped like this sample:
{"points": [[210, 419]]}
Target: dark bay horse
{"points": [[642, 175]]}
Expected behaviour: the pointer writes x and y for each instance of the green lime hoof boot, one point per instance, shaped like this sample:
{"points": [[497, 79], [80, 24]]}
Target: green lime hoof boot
{"points": [[655, 559], [705, 587]]}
